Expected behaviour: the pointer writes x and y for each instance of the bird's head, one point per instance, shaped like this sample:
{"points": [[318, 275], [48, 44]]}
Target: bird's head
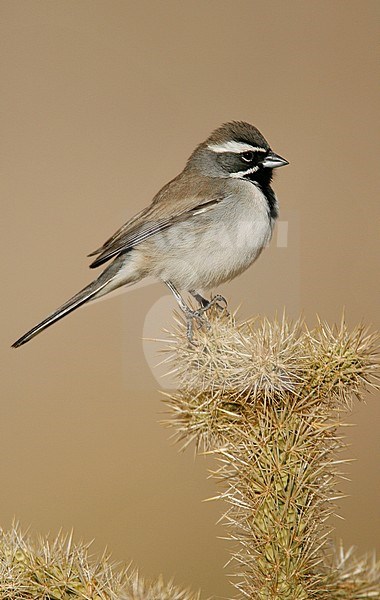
{"points": [[238, 150]]}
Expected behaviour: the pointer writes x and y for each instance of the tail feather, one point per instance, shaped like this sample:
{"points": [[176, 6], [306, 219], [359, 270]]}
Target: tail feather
{"points": [[117, 274], [80, 298], [89, 292]]}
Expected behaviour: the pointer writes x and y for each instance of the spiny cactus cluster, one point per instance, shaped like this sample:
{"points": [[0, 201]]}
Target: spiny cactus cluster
{"points": [[62, 570], [267, 399]]}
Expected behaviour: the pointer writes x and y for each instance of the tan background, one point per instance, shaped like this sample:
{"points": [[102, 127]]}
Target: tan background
{"points": [[102, 103]]}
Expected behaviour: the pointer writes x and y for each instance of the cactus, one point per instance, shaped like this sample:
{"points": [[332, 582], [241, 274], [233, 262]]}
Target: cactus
{"points": [[267, 398], [60, 569]]}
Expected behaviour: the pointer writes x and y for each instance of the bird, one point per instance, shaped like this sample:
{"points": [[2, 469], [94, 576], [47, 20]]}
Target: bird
{"points": [[203, 228]]}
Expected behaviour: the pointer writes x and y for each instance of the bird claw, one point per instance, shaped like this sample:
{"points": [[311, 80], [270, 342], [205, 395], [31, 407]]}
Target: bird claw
{"points": [[197, 315], [218, 301], [191, 316]]}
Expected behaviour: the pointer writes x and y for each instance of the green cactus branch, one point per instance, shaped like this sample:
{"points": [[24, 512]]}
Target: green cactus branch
{"points": [[267, 399], [59, 569]]}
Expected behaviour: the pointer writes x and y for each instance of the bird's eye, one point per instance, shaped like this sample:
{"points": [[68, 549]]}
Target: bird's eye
{"points": [[247, 156]]}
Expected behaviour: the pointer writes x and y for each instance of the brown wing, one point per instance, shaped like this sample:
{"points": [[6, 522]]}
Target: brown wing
{"points": [[128, 226], [181, 199]]}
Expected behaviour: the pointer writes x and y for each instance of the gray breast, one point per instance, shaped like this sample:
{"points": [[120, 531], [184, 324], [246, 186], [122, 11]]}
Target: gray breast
{"points": [[216, 246]]}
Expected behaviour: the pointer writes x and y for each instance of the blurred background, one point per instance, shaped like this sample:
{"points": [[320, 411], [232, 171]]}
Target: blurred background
{"points": [[102, 103]]}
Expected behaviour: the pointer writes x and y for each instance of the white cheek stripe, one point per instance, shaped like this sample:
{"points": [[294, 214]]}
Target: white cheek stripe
{"points": [[241, 174], [236, 147]]}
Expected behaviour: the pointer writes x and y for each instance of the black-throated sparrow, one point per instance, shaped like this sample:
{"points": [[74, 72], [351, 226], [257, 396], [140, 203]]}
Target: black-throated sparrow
{"points": [[203, 228]]}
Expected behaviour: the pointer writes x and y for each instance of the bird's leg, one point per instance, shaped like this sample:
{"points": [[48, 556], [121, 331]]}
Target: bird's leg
{"points": [[218, 301], [189, 313], [203, 302]]}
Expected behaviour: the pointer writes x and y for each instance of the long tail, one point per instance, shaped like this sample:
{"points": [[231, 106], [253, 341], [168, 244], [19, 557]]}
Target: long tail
{"points": [[106, 282]]}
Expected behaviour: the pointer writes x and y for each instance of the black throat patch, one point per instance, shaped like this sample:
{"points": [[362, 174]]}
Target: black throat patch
{"points": [[263, 178]]}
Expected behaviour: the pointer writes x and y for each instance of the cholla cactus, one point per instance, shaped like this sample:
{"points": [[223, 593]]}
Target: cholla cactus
{"points": [[267, 398], [62, 570]]}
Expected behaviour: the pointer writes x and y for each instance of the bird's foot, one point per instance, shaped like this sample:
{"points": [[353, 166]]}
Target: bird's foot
{"points": [[218, 301], [197, 316], [194, 317]]}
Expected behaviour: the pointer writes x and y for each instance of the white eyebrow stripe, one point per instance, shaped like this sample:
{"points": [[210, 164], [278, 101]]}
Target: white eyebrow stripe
{"points": [[241, 174], [235, 147]]}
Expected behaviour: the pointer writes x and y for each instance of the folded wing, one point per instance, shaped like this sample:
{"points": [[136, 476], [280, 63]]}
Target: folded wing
{"points": [[170, 206]]}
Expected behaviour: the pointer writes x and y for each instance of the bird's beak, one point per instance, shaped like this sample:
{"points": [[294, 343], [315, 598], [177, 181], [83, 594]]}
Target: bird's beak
{"points": [[273, 161]]}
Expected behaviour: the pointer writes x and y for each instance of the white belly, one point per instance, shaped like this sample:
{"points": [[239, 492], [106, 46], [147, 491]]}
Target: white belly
{"points": [[220, 245]]}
